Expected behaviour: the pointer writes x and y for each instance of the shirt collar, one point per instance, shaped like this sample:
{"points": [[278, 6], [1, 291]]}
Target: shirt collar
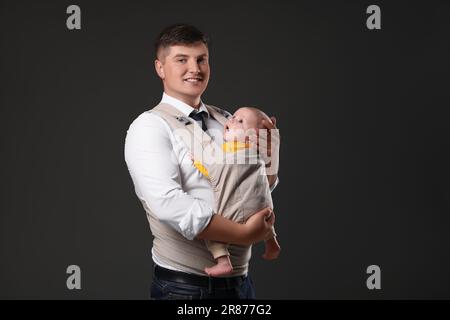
{"points": [[181, 106]]}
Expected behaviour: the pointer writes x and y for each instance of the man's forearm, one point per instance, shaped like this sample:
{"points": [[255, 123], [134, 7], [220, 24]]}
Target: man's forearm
{"points": [[224, 230], [256, 228]]}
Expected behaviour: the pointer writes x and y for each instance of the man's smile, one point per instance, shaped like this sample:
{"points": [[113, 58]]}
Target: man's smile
{"points": [[193, 80]]}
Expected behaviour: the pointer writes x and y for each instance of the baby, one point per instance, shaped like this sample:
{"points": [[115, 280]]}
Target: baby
{"points": [[240, 187]]}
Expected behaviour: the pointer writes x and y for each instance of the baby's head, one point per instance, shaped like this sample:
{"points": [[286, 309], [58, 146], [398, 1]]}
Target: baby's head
{"points": [[243, 121]]}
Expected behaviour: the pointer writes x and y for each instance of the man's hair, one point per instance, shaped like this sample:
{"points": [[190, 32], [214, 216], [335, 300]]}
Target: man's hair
{"points": [[179, 34]]}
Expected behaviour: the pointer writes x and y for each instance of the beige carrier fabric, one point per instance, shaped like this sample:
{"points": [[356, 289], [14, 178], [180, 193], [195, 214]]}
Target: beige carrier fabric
{"points": [[240, 188], [172, 248]]}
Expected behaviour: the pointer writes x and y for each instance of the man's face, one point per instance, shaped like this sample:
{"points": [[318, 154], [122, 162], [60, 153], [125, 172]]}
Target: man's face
{"points": [[184, 71]]}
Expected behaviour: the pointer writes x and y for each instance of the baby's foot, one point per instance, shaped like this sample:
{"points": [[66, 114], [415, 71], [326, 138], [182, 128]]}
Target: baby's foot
{"points": [[272, 249], [223, 267]]}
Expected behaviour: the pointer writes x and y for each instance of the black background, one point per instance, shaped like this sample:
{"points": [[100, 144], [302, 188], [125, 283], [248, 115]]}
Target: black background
{"points": [[364, 158]]}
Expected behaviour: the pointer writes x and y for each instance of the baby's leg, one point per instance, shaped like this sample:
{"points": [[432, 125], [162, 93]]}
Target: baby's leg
{"points": [[222, 256], [272, 247], [223, 267]]}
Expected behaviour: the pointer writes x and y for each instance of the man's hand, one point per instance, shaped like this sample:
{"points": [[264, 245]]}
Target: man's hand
{"points": [[271, 126], [259, 226], [268, 143]]}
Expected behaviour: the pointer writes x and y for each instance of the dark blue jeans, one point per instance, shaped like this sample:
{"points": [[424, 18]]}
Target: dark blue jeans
{"points": [[168, 290]]}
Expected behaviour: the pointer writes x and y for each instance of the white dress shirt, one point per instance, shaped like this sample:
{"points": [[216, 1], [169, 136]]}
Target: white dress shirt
{"points": [[163, 175]]}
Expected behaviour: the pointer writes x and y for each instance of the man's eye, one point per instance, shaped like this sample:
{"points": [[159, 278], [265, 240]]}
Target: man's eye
{"points": [[182, 60]]}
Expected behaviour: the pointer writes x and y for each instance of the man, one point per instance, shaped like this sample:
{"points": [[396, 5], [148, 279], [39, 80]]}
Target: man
{"points": [[177, 199]]}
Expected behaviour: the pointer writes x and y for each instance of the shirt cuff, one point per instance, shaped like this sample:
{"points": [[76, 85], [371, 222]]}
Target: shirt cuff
{"points": [[196, 220]]}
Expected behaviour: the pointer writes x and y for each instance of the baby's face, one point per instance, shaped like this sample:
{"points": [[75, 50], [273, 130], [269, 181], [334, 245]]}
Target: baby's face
{"points": [[242, 121]]}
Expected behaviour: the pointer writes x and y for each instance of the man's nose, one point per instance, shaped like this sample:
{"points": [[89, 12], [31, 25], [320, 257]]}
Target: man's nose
{"points": [[194, 67]]}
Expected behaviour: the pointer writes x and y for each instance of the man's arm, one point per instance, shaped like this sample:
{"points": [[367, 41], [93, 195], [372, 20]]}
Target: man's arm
{"points": [[256, 229], [155, 172]]}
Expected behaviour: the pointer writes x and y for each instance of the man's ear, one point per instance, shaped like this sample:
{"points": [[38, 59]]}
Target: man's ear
{"points": [[159, 69]]}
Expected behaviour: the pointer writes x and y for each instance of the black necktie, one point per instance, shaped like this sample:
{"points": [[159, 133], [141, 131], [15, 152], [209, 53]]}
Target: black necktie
{"points": [[199, 116]]}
